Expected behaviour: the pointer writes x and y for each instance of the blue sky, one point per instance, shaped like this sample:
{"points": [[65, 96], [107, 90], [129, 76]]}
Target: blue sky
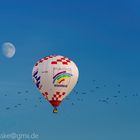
{"points": [[102, 38]]}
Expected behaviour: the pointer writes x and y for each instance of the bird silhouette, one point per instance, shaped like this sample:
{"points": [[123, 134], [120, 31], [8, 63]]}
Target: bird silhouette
{"points": [[15, 106], [107, 98], [115, 96], [104, 101], [18, 92], [84, 93], [97, 87], [7, 108], [76, 92], [72, 103], [26, 91]]}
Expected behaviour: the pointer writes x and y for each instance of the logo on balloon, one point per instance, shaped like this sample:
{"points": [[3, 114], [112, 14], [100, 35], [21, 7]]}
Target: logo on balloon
{"points": [[37, 79], [61, 77]]}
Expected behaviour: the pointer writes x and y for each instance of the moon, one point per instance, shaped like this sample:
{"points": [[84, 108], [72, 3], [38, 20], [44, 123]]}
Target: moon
{"points": [[8, 49]]}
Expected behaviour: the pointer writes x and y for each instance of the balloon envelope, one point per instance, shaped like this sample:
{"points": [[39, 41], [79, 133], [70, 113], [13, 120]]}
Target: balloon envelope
{"points": [[55, 77]]}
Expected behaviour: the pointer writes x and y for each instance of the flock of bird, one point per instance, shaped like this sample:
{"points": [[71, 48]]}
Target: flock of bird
{"points": [[79, 96]]}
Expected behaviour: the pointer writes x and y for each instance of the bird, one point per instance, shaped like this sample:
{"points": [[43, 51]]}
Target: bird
{"points": [[39, 98], [97, 87], [115, 96], [76, 92], [19, 92], [104, 101], [84, 93], [72, 103], [7, 108]]}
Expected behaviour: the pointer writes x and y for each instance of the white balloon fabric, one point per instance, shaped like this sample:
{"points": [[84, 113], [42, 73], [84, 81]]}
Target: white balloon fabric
{"points": [[55, 77]]}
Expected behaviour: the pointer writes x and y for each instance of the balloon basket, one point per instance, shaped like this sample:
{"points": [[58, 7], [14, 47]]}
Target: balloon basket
{"points": [[55, 110]]}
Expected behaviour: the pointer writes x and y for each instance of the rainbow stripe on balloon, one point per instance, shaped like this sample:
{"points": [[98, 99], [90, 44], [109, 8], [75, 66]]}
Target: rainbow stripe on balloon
{"points": [[60, 77]]}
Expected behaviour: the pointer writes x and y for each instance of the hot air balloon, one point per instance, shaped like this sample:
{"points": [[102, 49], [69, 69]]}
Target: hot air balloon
{"points": [[55, 76]]}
